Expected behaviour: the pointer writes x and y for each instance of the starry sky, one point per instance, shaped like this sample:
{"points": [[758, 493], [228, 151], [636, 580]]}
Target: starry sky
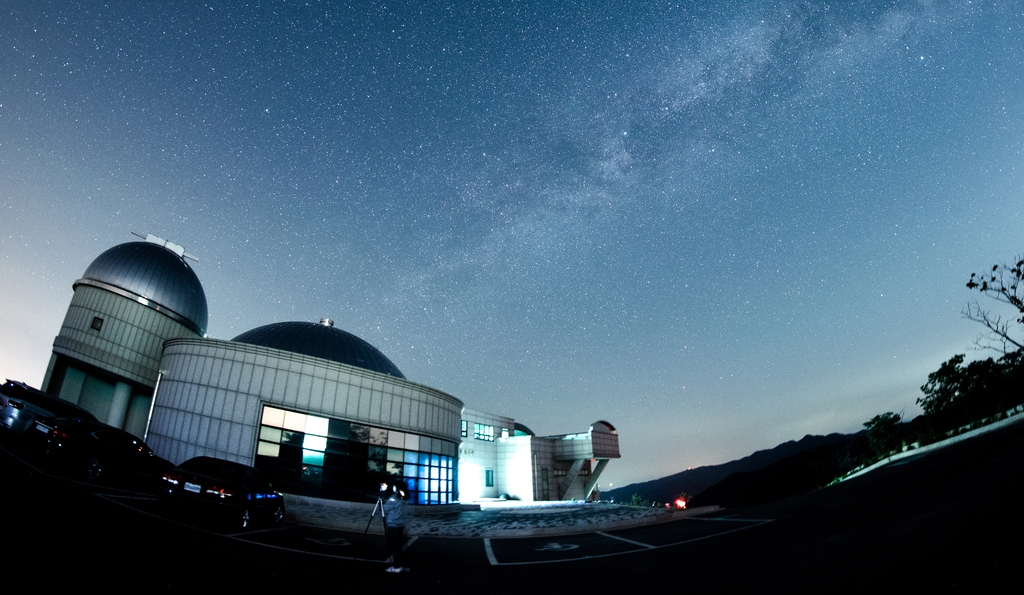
{"points": [[718, 226]]}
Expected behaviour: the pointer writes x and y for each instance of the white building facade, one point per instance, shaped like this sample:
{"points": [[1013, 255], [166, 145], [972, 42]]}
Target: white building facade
{"points": [[324, 413]]}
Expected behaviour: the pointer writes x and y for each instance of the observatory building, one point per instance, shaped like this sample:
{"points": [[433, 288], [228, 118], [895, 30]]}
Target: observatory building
{"points": [[322, 411], [132, 298]]}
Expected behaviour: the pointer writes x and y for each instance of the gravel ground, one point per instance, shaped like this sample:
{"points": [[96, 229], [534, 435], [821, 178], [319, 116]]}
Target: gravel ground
{"points": [[493, 519]]}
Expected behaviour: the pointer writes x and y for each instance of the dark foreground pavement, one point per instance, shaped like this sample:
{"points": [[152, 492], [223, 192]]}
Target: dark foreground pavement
{"points": [[948, 519]]}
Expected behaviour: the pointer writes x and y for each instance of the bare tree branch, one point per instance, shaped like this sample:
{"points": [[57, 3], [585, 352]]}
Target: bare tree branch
{"points": [[1004, 283]]}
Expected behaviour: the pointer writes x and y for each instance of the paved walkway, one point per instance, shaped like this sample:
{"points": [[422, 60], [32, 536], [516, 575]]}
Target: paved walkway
{"points": [[486, 519]]}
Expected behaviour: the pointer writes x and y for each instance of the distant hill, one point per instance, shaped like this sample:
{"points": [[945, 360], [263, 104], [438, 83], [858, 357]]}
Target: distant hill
{"points": [[800, 473], [696, 481]]}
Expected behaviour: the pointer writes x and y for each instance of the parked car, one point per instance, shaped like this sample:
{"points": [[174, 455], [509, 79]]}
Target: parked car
{"points": [[95, 451], [235, 492], [24, 405]]}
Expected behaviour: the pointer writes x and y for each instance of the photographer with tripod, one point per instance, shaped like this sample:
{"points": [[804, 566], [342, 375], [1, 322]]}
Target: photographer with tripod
{"points": [[394, 524]]}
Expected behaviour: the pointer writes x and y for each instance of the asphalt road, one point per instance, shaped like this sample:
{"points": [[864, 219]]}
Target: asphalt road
{"points": [[948, 520]]}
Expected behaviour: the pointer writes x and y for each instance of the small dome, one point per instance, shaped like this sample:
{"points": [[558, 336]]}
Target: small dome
{"points": [[321, 340], [150, 271]]}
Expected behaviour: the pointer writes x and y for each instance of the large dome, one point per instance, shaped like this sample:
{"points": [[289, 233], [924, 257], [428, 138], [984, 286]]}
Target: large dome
{"points": [[150, 271], [321, 340]]}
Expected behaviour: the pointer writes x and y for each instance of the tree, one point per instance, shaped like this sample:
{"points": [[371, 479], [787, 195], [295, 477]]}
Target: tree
{"points": [[958, 393], [1003, 284], [884, 433], [943, 387]]}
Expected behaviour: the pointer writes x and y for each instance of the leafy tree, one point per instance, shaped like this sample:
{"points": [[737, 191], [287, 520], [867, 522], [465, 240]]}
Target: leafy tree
{"points": [[943, 387], [638, 500], [884, 433], [1003, 284], [958, 393]]}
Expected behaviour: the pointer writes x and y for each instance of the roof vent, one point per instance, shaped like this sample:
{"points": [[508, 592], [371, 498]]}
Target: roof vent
{"points": [[326, 322]]}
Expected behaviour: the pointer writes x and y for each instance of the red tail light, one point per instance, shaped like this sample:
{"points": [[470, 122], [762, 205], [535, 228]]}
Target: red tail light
{"points": [[172, 478], [219, 491]]}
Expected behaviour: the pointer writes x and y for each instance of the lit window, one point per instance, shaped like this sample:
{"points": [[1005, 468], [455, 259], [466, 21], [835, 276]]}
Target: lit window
{"points": [[316, 425], [483, 432], [267, 449], [465, 428], [310, 442], [295, 421], [273, 417]]}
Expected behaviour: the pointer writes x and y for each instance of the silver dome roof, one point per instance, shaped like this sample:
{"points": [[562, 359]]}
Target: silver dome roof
{"points": [[160, 277], [321, 340]]}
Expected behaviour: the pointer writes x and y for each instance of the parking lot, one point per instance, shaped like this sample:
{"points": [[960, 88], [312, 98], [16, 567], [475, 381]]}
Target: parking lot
{"points": [[549, 548], [940, 520]]}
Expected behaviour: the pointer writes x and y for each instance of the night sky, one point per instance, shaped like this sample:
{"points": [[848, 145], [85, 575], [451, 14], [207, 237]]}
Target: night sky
{"points": [[716, 227]]}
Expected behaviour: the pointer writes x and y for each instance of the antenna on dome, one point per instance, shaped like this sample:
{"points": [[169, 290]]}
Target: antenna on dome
{"points": [[152, 239]]}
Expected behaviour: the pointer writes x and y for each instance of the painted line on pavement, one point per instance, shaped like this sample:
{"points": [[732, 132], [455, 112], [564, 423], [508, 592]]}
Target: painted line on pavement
{"points": [[757, 523], [490, 552], [640, 543]]}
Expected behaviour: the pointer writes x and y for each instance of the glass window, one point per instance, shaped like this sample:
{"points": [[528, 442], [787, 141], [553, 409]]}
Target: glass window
{"points": [[295, 421], [297, 448], [337, 428], [292, 438], [267, 449], [273, 417], [465, 428], [311, 442], [337, 446], [270, 434], [489, 478], [316, 425], [378, 436], [312, 457], [358, 433], [483, 432]]}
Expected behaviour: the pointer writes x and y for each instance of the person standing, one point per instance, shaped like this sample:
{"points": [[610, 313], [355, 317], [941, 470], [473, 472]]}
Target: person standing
{"points": [[394, 527]]}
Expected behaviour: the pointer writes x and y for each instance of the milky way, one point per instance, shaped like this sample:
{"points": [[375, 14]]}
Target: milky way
{"points": [[716, 228]]}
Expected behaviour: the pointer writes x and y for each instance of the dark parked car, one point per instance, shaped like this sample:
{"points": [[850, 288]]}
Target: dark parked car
{"points": [[24, 405], [95, 451], [233, 491]]}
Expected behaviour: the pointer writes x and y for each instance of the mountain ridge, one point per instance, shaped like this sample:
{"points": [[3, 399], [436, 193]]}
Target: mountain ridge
{"points": [[695, 481]]}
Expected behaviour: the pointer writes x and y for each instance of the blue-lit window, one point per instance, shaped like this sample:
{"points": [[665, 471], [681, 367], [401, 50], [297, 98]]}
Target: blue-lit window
{"points": [[483, 432], [332, 450]]}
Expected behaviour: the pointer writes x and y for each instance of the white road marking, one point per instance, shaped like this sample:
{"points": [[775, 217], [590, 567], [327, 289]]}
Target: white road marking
{"points": [[490, 552], [641, 544]]}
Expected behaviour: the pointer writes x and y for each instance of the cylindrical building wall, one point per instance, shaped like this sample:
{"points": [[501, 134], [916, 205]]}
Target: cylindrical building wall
{"points": [[320, 427], [116, 334]]}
